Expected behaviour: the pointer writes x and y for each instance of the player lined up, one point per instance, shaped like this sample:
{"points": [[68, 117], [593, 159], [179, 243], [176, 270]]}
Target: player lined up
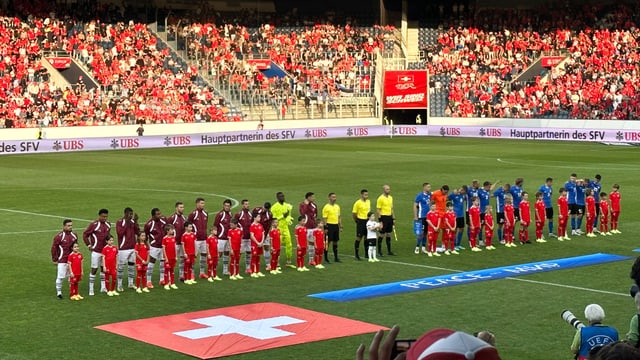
{"points": [[513, 212]]}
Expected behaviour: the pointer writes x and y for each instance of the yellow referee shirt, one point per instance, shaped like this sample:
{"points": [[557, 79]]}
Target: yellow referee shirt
{"points": [[385, 204], [331, 213], [361, 208]]}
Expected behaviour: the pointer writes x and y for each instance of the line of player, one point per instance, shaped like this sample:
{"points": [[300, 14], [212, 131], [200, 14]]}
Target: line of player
{"points": [[178, 239], [446, 212]]}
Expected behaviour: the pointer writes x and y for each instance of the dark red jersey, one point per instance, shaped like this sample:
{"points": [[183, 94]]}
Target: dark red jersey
{"points": [[245, 219], [222, 224], [95, 236], [177, 220], [62, 246], [155, 231], [199, 219], [126, 231], [310, 212]]}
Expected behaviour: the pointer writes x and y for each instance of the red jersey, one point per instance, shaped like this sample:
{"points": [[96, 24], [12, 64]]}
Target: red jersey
{"points": [[301, 236], [488, 221], [169, 245], [591, 206], [142, 251], [199, 219], [604, 209], [245, 219], [563, 206], [310, 212], [318, 236], [540, 210], [75, 263], [110, 257], [433, 221], [450, 220], [155, 231], [258, 233], [95, 236], [189, 243], [525, 212], [222, 223], [62, 246], [235, 238], [474, 215], [614, 197], [126, 231], [274, 234], [177, 220], [509, 214], [212, 244], [265, 217]]}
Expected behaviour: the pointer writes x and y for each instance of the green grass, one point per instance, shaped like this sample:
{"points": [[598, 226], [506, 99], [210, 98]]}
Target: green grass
{"points": [[523, 315]]}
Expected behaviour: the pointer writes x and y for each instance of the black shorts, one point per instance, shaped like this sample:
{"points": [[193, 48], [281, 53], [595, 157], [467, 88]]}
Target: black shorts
{"points": [[460, 223], [581, 209], [516, 214], [500, 218], [597, 210], [361, 228], [573, 209], [333, 232], [466, 218], [371, 242], [481, 219], [549, 213], [387, 224]]}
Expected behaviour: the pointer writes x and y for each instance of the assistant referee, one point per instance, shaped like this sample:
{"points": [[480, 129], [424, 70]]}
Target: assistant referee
{"points": [[361, 208], [331, 216], [384, 208]]}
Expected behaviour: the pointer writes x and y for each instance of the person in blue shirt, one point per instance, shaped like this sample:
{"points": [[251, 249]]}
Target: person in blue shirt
{"points": [[581, 186], [458, 198], [516, 191], [472, 191], [420, 210], [570, 186], [547, 190], [499, 195], [484, 194], [594, 334], [596, 186]]}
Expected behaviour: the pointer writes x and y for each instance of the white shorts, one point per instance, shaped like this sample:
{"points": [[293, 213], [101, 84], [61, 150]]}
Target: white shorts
{"points": [[179, 252], [201, 247], [245, 246], [63, 270], [155, 253], [223, 245], [126, 256], [311, 240], [96, 260]]}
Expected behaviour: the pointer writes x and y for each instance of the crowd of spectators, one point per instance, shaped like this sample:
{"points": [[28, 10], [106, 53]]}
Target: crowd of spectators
{"points": [[483, 58]]}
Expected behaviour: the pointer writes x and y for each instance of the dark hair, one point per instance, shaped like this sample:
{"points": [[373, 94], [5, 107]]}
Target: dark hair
{"points": [[449, 203], [331, 193], [306, 196], [154, 211], [574, 175], [562, 189], [548, 179], [267, 205], [179, 203], [301, 217], [199, 199], [244, 201], [598, 177], [128, 210], [66, 221], [103, 212], [279, 193], [363, 191], [167, 227], [445, 187], [486, 183], [227, 201], [186, 223], [519, 181], [425, 184], [635, 271]]}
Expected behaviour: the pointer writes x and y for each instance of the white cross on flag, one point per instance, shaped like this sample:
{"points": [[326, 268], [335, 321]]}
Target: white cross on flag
{"points": [[239, 329]]}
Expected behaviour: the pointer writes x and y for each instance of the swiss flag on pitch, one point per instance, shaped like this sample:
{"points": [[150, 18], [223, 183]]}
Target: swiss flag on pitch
{"points": [[239, 329]]}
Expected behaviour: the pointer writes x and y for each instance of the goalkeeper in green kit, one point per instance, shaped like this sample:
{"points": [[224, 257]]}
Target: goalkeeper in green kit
{"points": [[282, 212]]}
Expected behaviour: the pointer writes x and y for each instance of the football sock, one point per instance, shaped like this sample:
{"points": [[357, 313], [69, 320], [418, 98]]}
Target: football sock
{"points": [[366, 247], [551, 227], [120, 273], [203, 264], [102, 284], [500, 234], [459, 238], [335, 251], [578, 223], [181, 268], [312, 252], [150, 271], [388, 240], [58, 286], [247, 260], [267, 257], [326, 254], [92, 279], [130, 273], [573, 223], [161, 267], [356, 246], [373, 252], [225, 263], [379, 244], [468, 233]]}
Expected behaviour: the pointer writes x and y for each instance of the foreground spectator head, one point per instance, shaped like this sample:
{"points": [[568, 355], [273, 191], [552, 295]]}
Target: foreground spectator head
{"points": [[617, 351], [446, 344]]}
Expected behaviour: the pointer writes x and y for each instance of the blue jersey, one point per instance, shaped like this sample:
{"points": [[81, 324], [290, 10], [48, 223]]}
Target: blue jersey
{"points": [[423, 200], [546, 195], [458, 203], [596, 186], [499, 195], [471, 192], [516, 192], [484, 196], [571, 192], [580, 195]]}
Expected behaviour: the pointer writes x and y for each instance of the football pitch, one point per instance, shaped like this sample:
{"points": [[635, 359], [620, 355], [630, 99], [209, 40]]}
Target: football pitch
{"points": [[524, 311]]}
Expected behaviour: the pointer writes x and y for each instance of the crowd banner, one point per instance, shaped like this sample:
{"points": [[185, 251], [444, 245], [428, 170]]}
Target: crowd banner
{"points": [[611, 136], [405, 89]]}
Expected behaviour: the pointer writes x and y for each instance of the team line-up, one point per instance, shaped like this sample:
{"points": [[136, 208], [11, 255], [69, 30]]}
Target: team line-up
{"points": [[444, 211], [262, 231]]}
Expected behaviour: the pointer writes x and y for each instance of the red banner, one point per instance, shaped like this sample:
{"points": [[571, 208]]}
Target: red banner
{"points": [[405, 89], [260, 64], [60, 63], [551, 61]]}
